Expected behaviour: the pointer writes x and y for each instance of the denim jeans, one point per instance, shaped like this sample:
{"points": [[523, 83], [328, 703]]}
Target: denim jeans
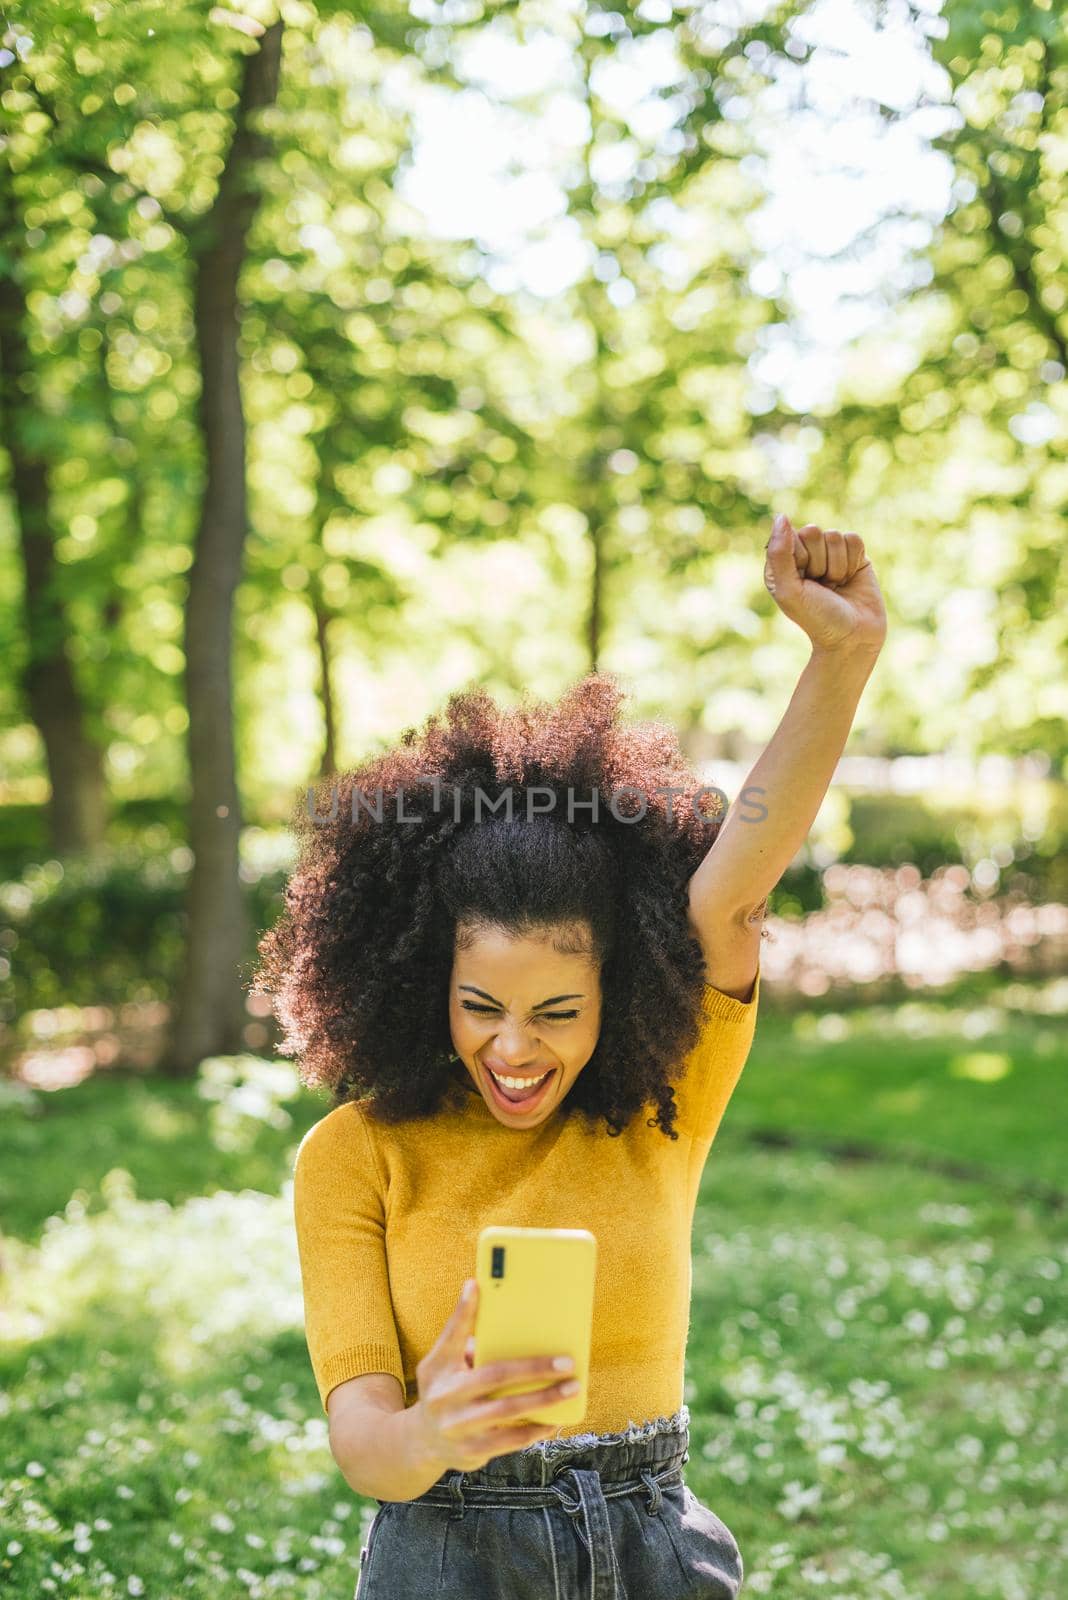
{"points": [[592, 1517]]}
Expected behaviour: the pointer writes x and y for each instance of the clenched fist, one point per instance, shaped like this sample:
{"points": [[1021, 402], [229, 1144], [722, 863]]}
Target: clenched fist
{"points": [[825, 583]]}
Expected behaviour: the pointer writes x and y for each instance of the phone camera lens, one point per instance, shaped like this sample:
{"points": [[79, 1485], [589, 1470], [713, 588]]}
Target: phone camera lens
{"points": [[497, 1268]]}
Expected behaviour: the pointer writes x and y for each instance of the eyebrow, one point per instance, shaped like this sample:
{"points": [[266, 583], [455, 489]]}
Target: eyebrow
{"points": [[550, 1002]]}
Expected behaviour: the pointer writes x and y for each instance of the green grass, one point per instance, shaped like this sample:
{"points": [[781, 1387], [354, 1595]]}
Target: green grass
{"points": [[978, 1081], [876, 1355]]}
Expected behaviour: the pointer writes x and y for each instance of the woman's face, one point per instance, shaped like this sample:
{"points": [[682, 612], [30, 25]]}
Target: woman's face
{"points": [[518, 1007]]}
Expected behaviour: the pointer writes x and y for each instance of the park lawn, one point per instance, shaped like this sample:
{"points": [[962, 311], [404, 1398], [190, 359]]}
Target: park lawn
{"points": [[872, 1374], [975, 1082], [876, 1378]]}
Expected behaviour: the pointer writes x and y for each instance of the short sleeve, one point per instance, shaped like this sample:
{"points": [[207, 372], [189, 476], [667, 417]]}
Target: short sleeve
{"points": [[339, 1212], [714, 1065]]}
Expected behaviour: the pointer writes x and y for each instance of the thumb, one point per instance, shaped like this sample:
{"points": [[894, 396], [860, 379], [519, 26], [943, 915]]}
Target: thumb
{"points": [[780, 566], [461, 1319], [467, 1308]]}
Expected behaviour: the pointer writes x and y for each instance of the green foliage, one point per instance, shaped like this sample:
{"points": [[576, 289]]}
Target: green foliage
{"points": [[931, 832], [414, 436], [150, 824], [947, 441], [438, 470], [106, 931], [25, 835]]}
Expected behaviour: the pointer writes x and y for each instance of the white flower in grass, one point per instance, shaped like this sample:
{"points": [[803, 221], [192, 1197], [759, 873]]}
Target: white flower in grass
{"points": [[797, 1499]]}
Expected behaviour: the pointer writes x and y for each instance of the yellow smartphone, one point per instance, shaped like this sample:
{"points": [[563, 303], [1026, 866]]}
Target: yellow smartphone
{"points": [[535, 1298]]}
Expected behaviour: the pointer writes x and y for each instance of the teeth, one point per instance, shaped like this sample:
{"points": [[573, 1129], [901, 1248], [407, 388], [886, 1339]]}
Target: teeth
{"points": [[518, 1083]]}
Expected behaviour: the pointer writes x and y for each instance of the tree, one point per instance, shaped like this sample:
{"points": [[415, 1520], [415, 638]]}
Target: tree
{"points": [[209, 1014], [77, 802]]}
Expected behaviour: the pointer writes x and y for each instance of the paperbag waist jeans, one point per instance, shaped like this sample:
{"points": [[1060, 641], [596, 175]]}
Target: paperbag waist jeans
{"points": [[592, 1517]]}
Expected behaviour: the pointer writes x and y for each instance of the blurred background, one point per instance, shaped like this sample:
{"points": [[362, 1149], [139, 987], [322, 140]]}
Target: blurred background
{"points": [[351, 356]]}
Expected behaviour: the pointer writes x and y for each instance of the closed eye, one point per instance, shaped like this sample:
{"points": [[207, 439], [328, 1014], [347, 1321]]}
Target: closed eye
{"points": [[549, 1016]]}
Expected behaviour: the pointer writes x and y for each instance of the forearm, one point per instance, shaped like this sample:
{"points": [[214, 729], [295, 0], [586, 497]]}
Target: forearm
{"points": [[788, 782], [382, 1457]]}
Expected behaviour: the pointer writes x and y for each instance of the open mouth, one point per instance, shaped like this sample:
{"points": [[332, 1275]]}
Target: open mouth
{"points": [[516, 1099]]}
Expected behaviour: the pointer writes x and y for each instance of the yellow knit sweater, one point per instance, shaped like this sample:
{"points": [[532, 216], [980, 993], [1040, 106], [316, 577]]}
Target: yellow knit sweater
{"points": [[387, 1218]]}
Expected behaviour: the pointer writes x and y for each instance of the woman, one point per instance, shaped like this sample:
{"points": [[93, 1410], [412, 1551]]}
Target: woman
{"points": [[503, 943]]}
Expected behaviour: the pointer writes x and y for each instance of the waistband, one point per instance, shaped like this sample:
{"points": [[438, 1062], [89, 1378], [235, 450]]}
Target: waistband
{"points": [[574, 1472]]}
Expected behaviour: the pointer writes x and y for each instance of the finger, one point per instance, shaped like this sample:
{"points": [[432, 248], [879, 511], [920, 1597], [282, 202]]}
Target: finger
{"points": [[854, 553], [837, 557], [812, 538], [481, 1414], [801, 558]]}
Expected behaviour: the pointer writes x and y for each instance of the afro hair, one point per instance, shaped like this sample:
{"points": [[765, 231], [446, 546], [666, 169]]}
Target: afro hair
{"points": [[408, 851]]}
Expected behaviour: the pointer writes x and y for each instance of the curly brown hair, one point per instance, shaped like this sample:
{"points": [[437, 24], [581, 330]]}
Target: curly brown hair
{"points": [[360, 961]]}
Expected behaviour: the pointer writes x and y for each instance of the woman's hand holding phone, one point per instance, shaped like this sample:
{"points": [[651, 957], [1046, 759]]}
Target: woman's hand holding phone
{"points": [[459, 1423]]}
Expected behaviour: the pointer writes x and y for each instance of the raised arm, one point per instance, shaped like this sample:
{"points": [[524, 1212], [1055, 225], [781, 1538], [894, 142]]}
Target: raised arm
{"points": [[826, 585]]}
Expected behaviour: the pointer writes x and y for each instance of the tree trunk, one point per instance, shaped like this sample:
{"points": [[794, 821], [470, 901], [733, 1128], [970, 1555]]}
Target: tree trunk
{"points": [[77, 808], [209, 1015], [328, 764]]}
